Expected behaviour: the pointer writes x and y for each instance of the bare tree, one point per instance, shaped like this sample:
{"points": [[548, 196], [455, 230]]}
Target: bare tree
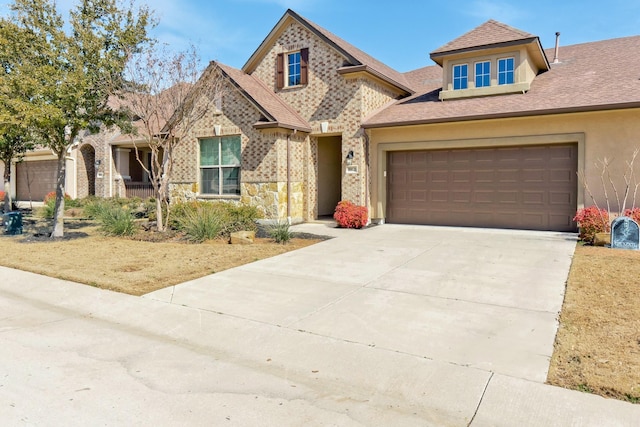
{"points": [[167, 97], [631, 184]]}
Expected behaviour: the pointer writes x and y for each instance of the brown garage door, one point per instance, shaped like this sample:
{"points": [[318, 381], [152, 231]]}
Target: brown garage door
{"points": [[531, 188], [35, 179]]}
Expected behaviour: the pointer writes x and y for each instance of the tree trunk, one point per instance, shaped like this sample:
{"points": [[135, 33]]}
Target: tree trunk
{"points": [[159, 217], [58, 216], [7, 187]]}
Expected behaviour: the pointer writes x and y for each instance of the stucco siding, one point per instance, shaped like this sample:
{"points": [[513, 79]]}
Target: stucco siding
{"points": [[605, 134]]}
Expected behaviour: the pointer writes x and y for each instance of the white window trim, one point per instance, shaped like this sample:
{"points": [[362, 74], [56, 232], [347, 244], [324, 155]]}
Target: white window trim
{"points": [[219, 167], [475, 75], [453, 76], [498, 72], [286, 68]]}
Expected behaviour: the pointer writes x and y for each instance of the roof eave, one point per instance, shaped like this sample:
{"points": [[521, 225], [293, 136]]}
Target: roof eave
{"points": [[435, 55], [582, 109], [279, 125], [251, 63], [351, 69]]}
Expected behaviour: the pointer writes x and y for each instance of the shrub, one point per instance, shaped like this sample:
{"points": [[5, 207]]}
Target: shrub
{"points": [[634, 214], [95, 208], [49, 200], [240, 218], [280, 231], [2, 196], [592, 220], [348, 215], [205, 222], [230, 217], [116, 220]]}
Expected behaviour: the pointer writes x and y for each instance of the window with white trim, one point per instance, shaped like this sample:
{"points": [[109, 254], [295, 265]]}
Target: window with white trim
{"points": [[460, 76], [293, 69], [506, 71], [483, 74], [220, 165]]}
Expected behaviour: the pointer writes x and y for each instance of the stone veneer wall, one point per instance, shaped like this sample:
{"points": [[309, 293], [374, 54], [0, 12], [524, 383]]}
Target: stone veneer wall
{"points": [[264, 160]]}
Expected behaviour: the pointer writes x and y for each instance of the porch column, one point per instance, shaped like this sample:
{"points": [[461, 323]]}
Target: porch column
{"points": [[122, 163]]}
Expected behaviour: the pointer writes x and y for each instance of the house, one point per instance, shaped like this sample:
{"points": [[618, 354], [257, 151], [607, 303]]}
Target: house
{"points": [[497, 135], [499, 132]]}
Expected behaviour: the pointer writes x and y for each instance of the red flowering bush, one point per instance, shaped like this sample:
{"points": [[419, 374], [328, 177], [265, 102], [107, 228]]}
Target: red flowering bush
{"points": [[51, 197], [348, 215], [2, 196], [634, 214], [592, 220]]}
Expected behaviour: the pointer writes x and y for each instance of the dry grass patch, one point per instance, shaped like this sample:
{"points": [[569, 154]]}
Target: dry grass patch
{"points": [[597, 348], [125, 265]]}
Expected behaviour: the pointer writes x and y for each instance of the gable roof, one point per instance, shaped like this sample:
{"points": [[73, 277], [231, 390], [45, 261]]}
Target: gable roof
{"points": [[488, 34], [277, 113], [589, 77], [358, 60]]}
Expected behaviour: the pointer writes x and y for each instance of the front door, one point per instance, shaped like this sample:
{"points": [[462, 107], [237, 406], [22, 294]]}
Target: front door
{"points": [[329, 174]]}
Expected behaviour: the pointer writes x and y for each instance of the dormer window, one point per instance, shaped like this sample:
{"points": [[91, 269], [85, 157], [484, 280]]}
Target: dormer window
{"points": [[460, 76], [506, 71], [502, 60], [483, 74], [292, 69]]}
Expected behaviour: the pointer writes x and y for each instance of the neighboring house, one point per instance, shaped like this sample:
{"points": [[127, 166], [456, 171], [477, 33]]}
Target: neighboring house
{"points": [[499, 133], [35, 176]]}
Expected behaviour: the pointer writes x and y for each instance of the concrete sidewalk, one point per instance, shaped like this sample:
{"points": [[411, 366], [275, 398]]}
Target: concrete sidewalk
{"points": [[71, 354]]}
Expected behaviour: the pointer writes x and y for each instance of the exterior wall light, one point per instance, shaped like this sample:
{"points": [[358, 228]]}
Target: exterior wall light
{"points": [[349, 157]]}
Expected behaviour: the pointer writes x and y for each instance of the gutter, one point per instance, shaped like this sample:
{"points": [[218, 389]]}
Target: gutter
{"points": [[365, 68], [276, 124], [567, 110]]}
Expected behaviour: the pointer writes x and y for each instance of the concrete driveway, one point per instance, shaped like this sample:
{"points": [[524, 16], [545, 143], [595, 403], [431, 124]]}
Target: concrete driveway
{"points": [[488, 299], [394, 325]]}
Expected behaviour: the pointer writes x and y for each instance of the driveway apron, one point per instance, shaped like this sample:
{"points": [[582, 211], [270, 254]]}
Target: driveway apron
{"points": [[487, 299]]}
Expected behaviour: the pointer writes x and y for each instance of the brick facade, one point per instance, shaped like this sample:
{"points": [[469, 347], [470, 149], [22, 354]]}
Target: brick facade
{"points": [[328, 97], [274, 160]]}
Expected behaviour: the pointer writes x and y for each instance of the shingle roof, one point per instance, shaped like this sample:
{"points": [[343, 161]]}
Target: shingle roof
{"points": [[591, 76], [362, 58], [490, 33], [360, 61], [277, 112]]}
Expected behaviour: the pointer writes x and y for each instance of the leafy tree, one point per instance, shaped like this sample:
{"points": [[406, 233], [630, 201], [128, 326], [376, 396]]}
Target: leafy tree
{"points": [[58, 80], [166, 98], [14, 142]]}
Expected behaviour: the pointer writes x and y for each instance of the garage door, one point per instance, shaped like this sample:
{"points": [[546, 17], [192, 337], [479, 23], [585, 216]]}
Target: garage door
{"points": [[531, 187], [35, 179]]}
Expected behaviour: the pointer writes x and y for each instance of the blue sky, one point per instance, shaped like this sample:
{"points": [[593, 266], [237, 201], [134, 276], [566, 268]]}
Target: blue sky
{"points": [[400, 33]]}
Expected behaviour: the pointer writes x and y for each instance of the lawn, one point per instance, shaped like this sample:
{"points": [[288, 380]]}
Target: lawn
{"points": [[137, 265], [597, 347]]}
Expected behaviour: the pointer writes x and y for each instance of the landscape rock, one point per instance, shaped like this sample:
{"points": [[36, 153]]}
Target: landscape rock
{"points": [[242, 237], [602, 239]]}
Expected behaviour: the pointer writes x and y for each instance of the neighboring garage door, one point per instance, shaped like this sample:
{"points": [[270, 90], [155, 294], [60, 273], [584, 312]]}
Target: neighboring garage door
{"points": [[532, 187], [35, 179]]}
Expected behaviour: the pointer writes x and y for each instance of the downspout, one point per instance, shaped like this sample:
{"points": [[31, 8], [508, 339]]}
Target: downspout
{"points": [[367, 177], [110, 170], [289, 176]]}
